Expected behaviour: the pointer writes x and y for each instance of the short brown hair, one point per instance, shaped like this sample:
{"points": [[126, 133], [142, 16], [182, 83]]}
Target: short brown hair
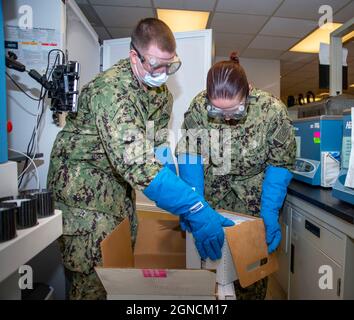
{"points": [[153, 31], [227, 79]]}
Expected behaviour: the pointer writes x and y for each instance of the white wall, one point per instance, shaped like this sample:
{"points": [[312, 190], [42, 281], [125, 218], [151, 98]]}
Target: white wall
{"points": [[82, 43], [20, 108], [46, 14], [261, 73]]}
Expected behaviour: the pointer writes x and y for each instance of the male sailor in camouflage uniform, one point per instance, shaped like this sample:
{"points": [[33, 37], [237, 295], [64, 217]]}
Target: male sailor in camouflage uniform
{"points": [[107, 150], [237, 150]]}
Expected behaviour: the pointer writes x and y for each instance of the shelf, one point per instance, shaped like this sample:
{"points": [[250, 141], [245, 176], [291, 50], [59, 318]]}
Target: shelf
{"points": [[28, 243], [14, 156]]}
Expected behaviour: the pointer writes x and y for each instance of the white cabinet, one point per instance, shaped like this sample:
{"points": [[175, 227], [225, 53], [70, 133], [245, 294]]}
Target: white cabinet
{"points": [[316, 259], [314, 273]]}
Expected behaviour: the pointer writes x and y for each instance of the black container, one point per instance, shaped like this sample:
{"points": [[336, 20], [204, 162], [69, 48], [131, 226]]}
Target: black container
{"points": [[26, 216], [6, 198], [7, 221], [45, 201]]}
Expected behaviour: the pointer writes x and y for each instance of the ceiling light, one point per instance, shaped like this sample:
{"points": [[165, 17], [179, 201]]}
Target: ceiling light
{"points": [[183, 20], [311, 44], [348, 36]]}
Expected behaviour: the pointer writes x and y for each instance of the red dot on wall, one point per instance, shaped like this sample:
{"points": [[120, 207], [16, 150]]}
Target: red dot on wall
{"points": [[9, 126]]}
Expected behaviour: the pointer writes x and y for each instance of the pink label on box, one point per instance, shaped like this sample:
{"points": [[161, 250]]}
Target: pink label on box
{"points": [[154, 273], [317, 134]]}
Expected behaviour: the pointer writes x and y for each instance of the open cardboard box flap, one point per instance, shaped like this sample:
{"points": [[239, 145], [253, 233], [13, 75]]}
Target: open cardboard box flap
{"points": [[248, 247], [156, 238], [129, 283], [116, 248], [244, 254]]}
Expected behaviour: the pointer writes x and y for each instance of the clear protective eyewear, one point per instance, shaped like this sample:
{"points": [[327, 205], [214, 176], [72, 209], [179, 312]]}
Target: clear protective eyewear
{"points": [[155, 64], [237, 112]]}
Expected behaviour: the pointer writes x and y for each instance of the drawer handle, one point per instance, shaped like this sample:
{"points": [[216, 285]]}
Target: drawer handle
{"points": [[292, 257], [339, 283], [286, 239], [313, 229]]}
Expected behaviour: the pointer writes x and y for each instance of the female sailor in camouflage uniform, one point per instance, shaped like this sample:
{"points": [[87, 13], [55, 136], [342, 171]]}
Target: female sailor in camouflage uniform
{"points": [[108, 149], [237, 150]]}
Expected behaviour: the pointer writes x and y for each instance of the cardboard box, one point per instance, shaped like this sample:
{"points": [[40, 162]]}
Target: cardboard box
{"points": [[155, 270], [160, 244], [242, 252]]}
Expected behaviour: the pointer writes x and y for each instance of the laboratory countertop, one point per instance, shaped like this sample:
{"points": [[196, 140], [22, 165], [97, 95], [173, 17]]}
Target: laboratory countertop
{"points": [[322, 198]]}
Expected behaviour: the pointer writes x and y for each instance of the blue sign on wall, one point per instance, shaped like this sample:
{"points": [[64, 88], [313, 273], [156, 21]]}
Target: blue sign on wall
{"points": [[3, 118]]}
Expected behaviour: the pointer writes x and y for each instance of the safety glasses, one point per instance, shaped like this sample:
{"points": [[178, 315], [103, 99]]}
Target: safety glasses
{"points": [[156, 65], [237, 112]]}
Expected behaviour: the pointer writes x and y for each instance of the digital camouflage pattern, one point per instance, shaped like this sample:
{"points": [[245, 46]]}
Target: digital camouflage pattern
{"points": [[265, 137], [80, 246], [99, 158], [256, 291]]}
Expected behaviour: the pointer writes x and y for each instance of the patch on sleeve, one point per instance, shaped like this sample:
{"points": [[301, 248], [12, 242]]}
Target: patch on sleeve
{"points": [[282, 133]]}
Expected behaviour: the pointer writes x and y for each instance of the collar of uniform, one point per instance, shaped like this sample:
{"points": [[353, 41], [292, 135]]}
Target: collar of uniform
{"points": [[134, 84], [127, 76], [253, 95]]}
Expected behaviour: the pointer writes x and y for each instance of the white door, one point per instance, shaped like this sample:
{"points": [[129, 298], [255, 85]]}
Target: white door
{"points": [[195, 51], [82, 43], [313, 274]]}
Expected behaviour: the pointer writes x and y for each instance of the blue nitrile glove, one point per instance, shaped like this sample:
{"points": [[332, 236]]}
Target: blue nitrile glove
{"points": [[191, 170], [164, 155], [171, 193], [274, 188]]}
